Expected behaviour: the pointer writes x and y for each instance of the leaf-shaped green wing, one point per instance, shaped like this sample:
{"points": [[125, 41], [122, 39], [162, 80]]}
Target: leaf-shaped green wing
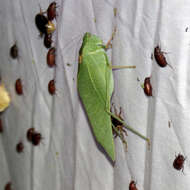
{"points": [[92, 86]]}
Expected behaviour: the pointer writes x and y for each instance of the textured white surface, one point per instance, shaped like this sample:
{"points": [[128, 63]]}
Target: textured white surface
{"points": [[69, 158]]}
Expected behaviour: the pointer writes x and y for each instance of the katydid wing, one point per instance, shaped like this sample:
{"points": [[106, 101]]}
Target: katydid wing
{"points": [[95, 86]]}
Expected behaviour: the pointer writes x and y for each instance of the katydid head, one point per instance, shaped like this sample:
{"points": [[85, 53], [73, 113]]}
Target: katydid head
{"points": [[90, 43]]}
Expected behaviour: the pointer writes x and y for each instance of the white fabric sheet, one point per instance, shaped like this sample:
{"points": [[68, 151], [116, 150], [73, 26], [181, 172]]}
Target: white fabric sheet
{"points": [[68, 157]]}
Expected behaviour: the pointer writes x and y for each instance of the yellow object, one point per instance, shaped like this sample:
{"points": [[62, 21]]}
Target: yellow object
{"points": [[4, 98], [50, 27]]}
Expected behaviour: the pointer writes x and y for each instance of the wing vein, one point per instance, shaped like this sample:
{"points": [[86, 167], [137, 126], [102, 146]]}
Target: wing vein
{"points": [[93, 83]]}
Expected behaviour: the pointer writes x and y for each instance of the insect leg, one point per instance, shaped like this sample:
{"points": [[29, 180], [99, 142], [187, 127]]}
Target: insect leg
{"points": [[120, 136], [129, 128], [108, 45], [123, 67]]}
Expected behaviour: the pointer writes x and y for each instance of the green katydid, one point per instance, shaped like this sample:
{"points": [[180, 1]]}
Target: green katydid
{"points": [[95, 86]]}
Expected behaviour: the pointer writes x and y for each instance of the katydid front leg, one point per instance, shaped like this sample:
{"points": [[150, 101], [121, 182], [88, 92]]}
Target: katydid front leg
{"points": [[108, 45]]}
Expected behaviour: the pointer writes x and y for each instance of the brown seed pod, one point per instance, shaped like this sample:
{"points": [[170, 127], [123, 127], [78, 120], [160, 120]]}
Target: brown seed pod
{"points": [[8, 186], [178, 163], [36, 138], [14, 51], [51, 57], [51, 87], [147, 87], [30, 133], [51, 11], [47, 40], [132, 186], [1, 126], [20, 147], [18, 87]]}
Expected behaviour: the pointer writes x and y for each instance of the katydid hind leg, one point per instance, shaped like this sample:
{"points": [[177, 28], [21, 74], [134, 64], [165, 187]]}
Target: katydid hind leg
{"points": [[120, 136], [129, 127]]}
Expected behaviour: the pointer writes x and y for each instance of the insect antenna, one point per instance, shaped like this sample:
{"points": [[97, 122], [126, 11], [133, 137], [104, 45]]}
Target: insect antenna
{"points": [[123, 67], [41, 12], [170, 66]]}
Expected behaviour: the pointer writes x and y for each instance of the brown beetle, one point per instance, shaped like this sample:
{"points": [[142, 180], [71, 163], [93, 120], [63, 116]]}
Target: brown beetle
{"points": [[14, 51], [1, 126], [8, 186], [41, 22], [47, 40], [160, 58], [147, 86], [51, 11], [18, 87], [20, 147], [51, 57], [30, 133], [178, 163], [132, 186], [51, 87], [36, 138]]}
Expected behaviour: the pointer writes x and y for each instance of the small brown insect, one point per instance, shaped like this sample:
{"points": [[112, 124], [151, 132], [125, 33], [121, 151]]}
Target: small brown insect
{"points": [[47, 40], [14, 51], [18, 87], [41, 22], [147, 87], [51, 87], [20, 147], [30, 133], [178, 163], [36, 138], [51, 11], [160, 58], [1, 126], [8, 186], [51, 57], [132, 186]]}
